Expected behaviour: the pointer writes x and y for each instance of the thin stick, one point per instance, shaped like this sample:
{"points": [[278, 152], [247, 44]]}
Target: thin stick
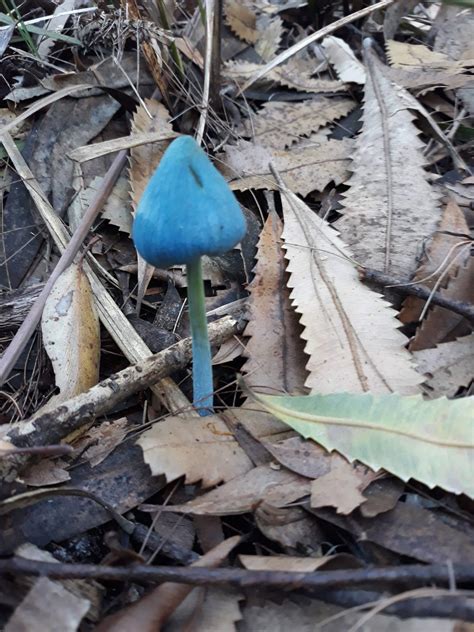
{"points": [[420, 291], [210, 6], [202, 365], [243, 578], [52, 426], [319, 35]]}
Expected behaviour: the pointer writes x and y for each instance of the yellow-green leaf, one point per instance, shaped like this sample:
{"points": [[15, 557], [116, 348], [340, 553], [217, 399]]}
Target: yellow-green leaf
{"points": [[430, 441]]}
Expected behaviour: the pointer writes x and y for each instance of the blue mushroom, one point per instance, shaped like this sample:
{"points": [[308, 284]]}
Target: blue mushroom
{"points": [[187, 210]]}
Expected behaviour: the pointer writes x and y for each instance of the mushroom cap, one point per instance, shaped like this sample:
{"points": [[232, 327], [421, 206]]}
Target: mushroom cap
{"points": [[187, 209]]}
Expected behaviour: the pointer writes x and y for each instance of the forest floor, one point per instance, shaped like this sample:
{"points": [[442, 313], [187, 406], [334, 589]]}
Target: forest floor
{"points": [[331, 487]]}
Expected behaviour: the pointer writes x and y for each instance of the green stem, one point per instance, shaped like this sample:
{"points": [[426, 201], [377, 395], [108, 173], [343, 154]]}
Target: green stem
{"points": [[202, 365], [174, 50]]}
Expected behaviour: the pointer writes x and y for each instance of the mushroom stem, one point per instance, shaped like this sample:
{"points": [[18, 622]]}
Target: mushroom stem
{"points": [[202, 365]]}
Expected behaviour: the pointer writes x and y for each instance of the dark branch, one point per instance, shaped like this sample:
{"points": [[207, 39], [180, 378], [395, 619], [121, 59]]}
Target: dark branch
{"points": [[414, 575], [400, 286]]}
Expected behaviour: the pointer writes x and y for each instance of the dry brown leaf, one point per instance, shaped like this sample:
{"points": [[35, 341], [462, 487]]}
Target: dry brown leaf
{"points": [[207, 609], [448, 367], [275, 352], [270, 31], [303, 457], [150, 613], [180, 529], [417, 66], [104, 439], [293, 528], [452, 221], [279, 124], [71, 334], [419, 57], [453, 32], [87, 589], [242, 20], [411, 76], [117, 208], [144, 160], [295, 75], [338, 483], [244, 493], [393, 15], [239, 72], [46, 472], [48, 606], [201, 449], [382, 495], [305, 169], [463, 191], [231, 349], [342, 487], [442, 325], [287, 562], [261, 424], [421, 81], [303, 615], [351, 332], [453, 29], [390, 209], [341, 56], [211, 271]]}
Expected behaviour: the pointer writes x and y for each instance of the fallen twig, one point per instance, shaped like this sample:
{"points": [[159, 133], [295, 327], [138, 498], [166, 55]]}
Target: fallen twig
{"points": [[110, 314], [420, 291], [447, 606], [28, 326], [52, 426], [314, 37], [415, 575], [15, 305]]}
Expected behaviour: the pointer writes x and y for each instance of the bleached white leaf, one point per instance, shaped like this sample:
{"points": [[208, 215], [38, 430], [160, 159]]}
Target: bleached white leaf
{"points": [[351, 332], [390, 208], [341, 56]]}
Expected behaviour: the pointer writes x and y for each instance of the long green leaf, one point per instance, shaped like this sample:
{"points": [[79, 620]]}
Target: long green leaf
{"points": [[430, 441], [6, 19]]}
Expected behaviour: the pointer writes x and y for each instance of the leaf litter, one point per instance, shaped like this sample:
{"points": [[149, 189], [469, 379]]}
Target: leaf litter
{"points": [[343, 161]]}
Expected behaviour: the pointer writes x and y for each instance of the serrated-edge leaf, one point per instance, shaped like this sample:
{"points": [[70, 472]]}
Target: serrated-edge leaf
{"points": [[351, 332], [242, 20], [430, 441], [305, 169], [278, 124], [274, 351], [144, 159], [448, 367], [341, 56], [390, 208]]}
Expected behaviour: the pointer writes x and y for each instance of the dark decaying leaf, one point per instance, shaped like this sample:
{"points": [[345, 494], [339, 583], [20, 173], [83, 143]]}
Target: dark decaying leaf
{"points": [[409, 530], [122, 479], [330, 137], [68, 124]]}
